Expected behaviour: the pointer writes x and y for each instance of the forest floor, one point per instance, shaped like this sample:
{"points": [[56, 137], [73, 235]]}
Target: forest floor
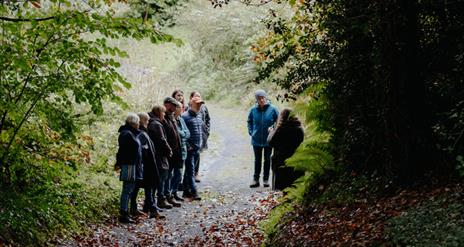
{"points": [[350, 212], [229, 211]]}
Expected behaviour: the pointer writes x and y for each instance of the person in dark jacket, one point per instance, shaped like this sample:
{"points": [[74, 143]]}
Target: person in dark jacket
{"points": [[150, 172], [206, 127], [129, 160], [157, 134], [194, 123], [261, 117], [175, 161], [285, 139], [184, 134]]}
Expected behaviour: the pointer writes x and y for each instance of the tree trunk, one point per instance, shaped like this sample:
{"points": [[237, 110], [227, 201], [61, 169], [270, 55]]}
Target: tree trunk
{"points": [[408, 136]]}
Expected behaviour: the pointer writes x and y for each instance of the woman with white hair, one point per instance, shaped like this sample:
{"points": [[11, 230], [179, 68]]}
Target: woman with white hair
{"points": [[129, 160]]}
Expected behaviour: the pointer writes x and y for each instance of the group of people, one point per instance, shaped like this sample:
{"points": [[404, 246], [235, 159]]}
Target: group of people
{"points": [[155, 146], [153, 149], [276, 134]]}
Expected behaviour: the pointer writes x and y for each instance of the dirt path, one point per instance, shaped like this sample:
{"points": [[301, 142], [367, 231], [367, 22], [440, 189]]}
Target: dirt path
{"points": [[229, 212]]}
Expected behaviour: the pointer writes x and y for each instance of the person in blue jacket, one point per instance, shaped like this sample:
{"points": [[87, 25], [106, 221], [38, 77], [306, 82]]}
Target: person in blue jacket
{"points": [[261, 117], [194, 124]]}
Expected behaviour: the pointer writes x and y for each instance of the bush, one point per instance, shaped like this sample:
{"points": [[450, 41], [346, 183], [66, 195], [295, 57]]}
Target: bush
{"points": [[39, 214], [435, 223]]}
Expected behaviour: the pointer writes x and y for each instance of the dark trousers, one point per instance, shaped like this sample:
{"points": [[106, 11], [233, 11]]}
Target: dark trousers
{"points": [[149, 201], [164, 175], [197, 165], [258, 160], [189, 175]]}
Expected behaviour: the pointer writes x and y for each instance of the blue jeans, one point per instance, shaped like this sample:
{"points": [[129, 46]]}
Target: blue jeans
{"points": [[175, 180], [162, 183], [167, 184], [148, 203], [127, 190], [189, 176], [258, 159]]}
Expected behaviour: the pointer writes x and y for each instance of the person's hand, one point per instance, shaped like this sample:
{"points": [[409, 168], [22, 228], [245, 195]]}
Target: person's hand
{"points": [[270, 129]]}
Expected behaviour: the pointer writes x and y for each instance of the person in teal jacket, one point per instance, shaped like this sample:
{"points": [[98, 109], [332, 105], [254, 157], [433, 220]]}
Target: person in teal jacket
{"points": [[261, 117]]}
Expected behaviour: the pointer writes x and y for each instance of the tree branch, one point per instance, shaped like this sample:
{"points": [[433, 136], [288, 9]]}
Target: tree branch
{"points": [[24, 20]]}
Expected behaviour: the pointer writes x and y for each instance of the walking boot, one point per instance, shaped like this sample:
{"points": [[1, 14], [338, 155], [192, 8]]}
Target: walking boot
{"points": [[136, 213], [196, 197], [178, 198], [162, 203], [254, 184], [154, 214], [266, 183], [124, 217], [197, 178], [146, 209], [173, 202], [186, 194]]}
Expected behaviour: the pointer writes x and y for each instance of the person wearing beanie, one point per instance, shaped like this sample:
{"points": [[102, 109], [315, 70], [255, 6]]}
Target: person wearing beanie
{"points": [[175, 161], [261, 117]]}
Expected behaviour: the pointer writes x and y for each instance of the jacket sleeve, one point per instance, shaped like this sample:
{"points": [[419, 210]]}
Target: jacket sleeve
{"points": [[207, 120], [184, 132], [273, 137], [250, 122], [158, 136]]}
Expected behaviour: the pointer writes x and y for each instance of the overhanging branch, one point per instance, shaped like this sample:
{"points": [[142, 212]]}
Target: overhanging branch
{"points": [[24, 20]]}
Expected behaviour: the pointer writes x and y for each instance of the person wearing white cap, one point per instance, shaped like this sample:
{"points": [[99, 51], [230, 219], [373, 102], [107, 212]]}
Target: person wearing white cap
{"points": [[261, 117]]}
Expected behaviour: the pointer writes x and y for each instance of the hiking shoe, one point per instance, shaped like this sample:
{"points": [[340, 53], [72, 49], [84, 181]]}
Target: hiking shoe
{"points": [[158, 216], [196, 197], [124, 217], [162, 203], [186, 194], [266, 183], [173, 202], [136, 213], [147, 209], [254, 184], [178, 198]]}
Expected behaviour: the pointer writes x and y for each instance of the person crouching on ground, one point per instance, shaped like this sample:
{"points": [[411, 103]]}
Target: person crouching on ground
{"points": [[163, 151], [193, 121], [285, 139], [261, 116], [129, 160]]}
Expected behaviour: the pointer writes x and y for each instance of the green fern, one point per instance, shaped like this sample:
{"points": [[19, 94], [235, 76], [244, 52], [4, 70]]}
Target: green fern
{"points": [[313, 156]]}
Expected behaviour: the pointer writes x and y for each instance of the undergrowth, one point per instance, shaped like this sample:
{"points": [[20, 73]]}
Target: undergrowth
{"points": [[437, 222], [312, 156], [40, 213]]}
